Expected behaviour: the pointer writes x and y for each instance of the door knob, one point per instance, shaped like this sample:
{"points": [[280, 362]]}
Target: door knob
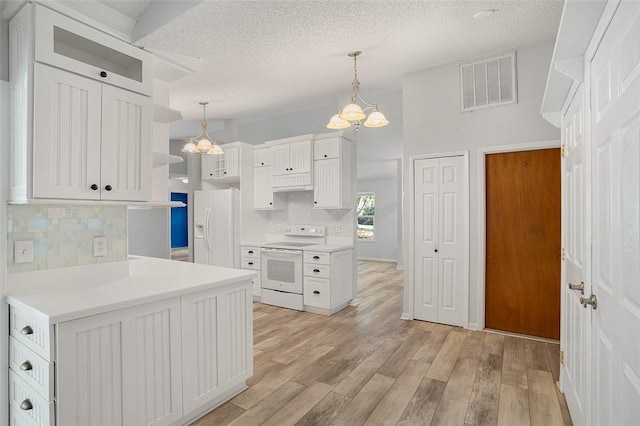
{"points": [[579, 287], [26, 366], [103, 74], [26, 330], [593, 301], [26, 405]]}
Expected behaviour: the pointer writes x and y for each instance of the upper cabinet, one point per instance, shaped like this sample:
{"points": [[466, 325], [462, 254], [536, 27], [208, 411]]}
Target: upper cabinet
{"points": [[332, 174], [291, 163], [71, 45], [222, 166], [77, 135]]}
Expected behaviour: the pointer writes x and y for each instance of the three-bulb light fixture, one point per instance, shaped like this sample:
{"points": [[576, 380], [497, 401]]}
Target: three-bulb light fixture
{"points": [[203, 143], [352, 113]]}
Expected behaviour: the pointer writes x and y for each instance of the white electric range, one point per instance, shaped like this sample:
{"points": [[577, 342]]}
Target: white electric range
{"points": [[281, 262]]}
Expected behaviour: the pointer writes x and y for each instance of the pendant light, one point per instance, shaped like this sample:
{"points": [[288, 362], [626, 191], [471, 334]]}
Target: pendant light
{"points": [[203, 143], [353, 112]]}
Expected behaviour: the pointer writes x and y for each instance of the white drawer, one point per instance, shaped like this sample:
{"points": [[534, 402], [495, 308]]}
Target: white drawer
{"points": [[317, 292], [317, 257], [31, 332], [311, 270], [27, 401], [250, 263], [31, 368], [252, 252]]}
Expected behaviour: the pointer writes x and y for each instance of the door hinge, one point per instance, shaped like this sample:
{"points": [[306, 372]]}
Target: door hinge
{"points": [[563, 254], [562, 357], [563, 151]]}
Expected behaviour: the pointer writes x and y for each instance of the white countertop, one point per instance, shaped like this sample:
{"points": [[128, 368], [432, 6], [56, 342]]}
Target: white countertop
{"points": [[328, 248], [64, 294]]}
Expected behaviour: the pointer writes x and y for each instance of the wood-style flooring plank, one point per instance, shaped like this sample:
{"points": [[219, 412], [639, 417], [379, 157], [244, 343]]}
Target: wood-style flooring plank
{"points": [[422, 406], [455, 398], [536, 355], [222, 416], [514, 406], [514, 365], [325, 411], [300, 405], [392, 406], [430, 347], [543, 401], [553, 356], [361, 406], [268, 406], [397, 362], [483, 404], [446, 358]]}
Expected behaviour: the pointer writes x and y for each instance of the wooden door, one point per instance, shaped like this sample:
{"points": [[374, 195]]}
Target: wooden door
{"points": [[615, 119], [575, 319], [523, 242], [440, 281], [126, 145], [66, 137]]}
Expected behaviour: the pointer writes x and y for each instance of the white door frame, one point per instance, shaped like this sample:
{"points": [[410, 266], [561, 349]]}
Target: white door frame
{"points": [[482, 205], [409, 272]]}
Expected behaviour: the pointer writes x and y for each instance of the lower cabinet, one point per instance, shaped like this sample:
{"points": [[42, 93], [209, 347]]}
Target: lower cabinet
{"points": [[328, 280], [250, 260], [159, 363]]}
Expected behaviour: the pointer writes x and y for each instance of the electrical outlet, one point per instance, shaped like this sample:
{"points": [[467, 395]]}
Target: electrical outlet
{"points": [[338, 229], [99, 246], [23, 251], [278, 228]]}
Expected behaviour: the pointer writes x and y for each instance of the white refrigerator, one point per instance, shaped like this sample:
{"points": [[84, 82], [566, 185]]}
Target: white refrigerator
{"points": [[216, 234]]}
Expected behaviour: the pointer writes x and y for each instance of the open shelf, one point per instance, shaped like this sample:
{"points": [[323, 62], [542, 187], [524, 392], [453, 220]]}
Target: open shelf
{"points": [[161, 159]]}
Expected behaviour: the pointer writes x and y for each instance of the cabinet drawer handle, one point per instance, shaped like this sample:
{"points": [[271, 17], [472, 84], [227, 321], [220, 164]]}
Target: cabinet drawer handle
{"points": [[262, 164], [316, 257], [26, 405], [94, 187], [316, 270], [325, 156], [316, 292], [26, 330], [250, 263], [108, 187], [103, 74], [26, 366], [250, 252], [270, 204]]}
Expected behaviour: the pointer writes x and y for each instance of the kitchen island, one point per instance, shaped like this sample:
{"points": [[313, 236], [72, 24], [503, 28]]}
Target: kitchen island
{"points": [[146, 341]]}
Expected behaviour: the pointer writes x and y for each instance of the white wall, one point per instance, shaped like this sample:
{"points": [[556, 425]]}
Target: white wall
{"points": [[4, 196], [433, 124], [385, 245]]}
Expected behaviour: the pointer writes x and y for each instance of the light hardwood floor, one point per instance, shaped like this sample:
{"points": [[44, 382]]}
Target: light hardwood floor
{"points": [[364, 365]]}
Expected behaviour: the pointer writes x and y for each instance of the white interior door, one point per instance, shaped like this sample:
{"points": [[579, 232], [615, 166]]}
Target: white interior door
{"points": [[575, 320], [440, 272], [615, 84]]}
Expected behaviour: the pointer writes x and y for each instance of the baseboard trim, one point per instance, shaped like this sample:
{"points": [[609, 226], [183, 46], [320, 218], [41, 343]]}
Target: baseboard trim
{"points": [[405, 316], [473, 326], [378, 259], [522, 336]]}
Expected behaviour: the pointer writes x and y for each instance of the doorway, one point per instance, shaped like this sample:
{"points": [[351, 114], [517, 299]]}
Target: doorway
{"points": [[523, 259]]}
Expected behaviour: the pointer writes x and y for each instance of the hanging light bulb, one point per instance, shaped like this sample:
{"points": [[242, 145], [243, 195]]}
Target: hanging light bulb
{"points": [[203, 143], [353, 112]]}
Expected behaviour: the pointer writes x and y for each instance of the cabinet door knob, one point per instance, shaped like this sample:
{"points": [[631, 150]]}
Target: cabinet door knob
{"points": [[103, 74], [26, 366], [315, 202], [316, 270], [225, 173], [26, 330], [94, 187], [250, 252], [262, 164], [316, 292], [325, 156], [250, 263], [270, 204], [108, 187], [316, 257], [436, 250], [26, 405]]}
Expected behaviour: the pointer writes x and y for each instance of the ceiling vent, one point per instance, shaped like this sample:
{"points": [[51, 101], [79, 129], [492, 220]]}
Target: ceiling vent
{"points": [[488, 82]]}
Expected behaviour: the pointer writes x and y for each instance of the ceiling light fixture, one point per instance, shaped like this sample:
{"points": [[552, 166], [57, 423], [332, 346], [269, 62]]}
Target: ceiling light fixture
{"points": [[203, 143], [354, 113]]}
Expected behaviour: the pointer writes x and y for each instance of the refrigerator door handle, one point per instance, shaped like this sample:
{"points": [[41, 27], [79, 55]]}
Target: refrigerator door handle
{"points": [[206, 228]]}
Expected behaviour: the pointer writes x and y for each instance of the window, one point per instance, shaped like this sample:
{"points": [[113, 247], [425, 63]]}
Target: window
{"points": [[366, 212]]}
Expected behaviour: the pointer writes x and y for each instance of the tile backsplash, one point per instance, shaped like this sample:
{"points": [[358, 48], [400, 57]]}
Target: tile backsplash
{"points": [[62, 235]]}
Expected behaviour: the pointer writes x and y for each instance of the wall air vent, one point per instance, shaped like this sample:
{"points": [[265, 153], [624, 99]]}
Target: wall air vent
{"points": [[488, 82]]}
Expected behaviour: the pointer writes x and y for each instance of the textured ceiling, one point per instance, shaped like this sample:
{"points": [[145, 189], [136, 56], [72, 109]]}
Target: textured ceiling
{"points": [[261, 58]]}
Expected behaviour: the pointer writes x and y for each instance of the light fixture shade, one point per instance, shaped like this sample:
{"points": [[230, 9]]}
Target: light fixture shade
{"points": [[204, 144], [352, 112], [189, 147], [376, 119], [215, 150], [337, 123]]}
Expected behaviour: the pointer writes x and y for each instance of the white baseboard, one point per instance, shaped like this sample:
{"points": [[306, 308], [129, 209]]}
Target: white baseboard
{"points": [[354, 302], [378, 259], [405, 316], [473, 326], [400, 267]]}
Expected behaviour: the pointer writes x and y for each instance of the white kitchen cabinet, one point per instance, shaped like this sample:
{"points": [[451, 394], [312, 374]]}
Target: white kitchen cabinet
{"points": [[121, 367], [222, 166], [332, 174], [327, 282], [74, 137], [217, 336], [291, 164], [250, 260], [261, 156], [262, 191]]}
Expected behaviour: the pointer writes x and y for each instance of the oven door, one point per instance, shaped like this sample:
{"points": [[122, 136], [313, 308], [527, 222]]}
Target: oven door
{"points": [[281, 270]]}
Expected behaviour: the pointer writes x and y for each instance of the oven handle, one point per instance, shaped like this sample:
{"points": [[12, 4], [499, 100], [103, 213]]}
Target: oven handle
{"points": [[281, 252]]}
